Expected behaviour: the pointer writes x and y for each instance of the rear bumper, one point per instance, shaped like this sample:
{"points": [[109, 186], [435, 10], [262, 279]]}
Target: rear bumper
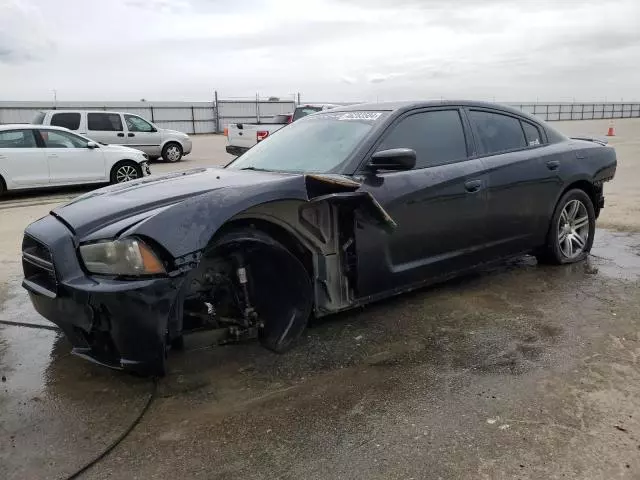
{"points": [[237, 151], [119, 324]]}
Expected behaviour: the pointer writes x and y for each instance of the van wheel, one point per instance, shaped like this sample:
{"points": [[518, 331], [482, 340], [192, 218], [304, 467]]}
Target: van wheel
{"points": [[125, 171], [572, 230], [172, 152], [3, 186]]}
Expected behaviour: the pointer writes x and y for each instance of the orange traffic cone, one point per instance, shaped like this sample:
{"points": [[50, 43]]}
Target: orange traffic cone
{"points": [[611, 132]]}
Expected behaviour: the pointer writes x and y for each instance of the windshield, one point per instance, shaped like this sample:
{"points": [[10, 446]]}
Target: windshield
{"points": [[319, 143]]}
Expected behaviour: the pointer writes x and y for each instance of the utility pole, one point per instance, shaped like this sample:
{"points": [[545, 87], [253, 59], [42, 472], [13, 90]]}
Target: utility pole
{"points": [[55, 99]]}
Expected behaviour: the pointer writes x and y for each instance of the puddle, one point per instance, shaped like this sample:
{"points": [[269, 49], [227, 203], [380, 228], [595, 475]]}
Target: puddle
{"points": [[616, 255]]}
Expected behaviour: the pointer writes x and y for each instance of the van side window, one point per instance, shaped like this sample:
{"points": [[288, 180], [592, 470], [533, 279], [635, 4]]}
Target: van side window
{"points": [[104, 122], [137, 124], [70, 120]]}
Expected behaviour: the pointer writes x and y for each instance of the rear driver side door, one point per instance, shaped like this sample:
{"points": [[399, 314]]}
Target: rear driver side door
{"points": [[440, 206]]}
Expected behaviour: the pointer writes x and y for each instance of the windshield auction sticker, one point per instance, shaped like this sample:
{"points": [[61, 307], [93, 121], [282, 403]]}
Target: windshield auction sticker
{"points": [[358, 116]]}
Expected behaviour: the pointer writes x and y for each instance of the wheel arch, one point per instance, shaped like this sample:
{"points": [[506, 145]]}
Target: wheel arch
{"points": [[588, 187], [122, 162], [279, 231], [171, 140]]}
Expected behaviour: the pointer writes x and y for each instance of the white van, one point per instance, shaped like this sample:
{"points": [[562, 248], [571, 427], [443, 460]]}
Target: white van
{"points": [[117, 128]]}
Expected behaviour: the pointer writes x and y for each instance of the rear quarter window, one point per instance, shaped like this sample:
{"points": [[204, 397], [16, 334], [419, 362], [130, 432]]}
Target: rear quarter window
{"points": [[532, 134]]}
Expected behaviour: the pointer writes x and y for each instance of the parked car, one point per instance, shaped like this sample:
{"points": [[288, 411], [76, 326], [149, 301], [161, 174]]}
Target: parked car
{"points": [[304, 110], [242, 136], [335, 211], [116, 128], [32, 156]]}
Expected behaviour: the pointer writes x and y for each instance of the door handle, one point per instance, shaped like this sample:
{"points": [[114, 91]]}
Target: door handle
{"points": [[53, 155], [553, 164], [131, 134], [121, 134], [473, 186]]}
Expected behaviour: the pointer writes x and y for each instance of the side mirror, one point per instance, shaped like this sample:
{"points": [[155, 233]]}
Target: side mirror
{"points": [[393, 159], [92, 145]]}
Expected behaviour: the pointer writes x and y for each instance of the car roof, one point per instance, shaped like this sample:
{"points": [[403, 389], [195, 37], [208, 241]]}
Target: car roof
{"points": [[79, 110], [22, 126], [306, 105], [408, 105]]}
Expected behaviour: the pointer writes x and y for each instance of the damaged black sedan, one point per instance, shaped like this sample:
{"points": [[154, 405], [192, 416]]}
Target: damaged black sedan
{"points": [[337, 210]]}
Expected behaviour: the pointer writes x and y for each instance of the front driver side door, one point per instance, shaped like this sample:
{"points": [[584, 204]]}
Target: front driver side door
{"points": [[440, 206], [69, 158], [142, 135]]}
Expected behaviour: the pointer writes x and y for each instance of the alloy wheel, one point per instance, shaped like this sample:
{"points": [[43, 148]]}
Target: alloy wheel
{"points": [[126, 173], [573, 229]]}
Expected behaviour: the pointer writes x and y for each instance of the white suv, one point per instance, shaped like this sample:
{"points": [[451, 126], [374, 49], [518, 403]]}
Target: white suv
{"points": [[32, 156], [117, 128]]}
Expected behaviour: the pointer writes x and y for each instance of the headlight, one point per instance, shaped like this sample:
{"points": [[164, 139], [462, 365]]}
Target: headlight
{"points": [[128, 256]]}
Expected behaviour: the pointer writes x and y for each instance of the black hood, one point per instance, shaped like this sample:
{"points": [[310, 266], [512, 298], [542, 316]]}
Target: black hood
{"points": [[109, 205]]}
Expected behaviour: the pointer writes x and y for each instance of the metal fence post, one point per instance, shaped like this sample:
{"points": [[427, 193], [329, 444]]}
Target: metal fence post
{"points": [[257, 108], [216, 111], [153, 120], [193, 120]]}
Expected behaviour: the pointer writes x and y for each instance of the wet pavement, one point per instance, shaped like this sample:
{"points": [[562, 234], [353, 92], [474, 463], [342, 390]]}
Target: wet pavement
{"points": [[521, 371]]}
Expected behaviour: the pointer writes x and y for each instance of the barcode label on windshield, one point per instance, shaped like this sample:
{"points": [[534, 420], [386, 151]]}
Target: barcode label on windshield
{"points": [[359, 116]]}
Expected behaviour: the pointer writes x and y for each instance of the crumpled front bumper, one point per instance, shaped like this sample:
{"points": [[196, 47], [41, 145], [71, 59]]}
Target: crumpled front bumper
{"points": [[119, 324]]}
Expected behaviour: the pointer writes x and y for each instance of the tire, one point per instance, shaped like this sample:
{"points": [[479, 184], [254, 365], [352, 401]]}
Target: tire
{"points": [[125, 171], [3, 186], [280, 288], [172, 152], [572, 230]]}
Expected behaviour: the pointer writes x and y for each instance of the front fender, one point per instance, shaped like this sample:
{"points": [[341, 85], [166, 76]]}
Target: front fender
{"points": [[188, 226]]}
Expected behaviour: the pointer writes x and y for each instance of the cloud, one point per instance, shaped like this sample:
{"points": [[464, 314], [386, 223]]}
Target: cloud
{"points": [[348, 80], [382, 77], [162, 6], [23, 33]]}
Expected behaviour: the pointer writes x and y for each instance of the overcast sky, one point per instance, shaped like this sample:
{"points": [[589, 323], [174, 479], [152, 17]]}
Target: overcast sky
{"points": [[329, 50]]}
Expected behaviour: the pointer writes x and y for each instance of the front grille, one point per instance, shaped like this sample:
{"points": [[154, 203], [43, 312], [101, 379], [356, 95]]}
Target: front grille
{"points": [[37, 264]]}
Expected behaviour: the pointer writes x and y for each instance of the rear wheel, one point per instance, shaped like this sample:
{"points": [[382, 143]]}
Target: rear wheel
{"points": [[172, 152], [572, 229], [125, 171], [3, 186]]}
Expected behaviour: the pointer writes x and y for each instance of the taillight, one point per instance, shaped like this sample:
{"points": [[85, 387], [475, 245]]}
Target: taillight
{"points": [[261, 135], [290, 119], [226, 131]]}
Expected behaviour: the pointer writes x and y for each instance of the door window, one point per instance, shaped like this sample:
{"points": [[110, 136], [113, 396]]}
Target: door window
{"points": [[68, 120], [137, 124], [497, 133], [59, 139], [437, 137], [104, 122], [532, 133], [17, 139]]}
